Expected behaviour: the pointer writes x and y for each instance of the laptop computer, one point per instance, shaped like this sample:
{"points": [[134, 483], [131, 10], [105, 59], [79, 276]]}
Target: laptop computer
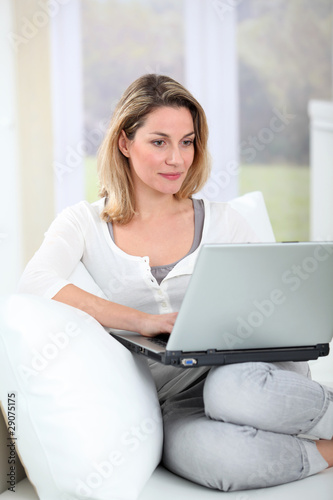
{"points": [[250, 302]]}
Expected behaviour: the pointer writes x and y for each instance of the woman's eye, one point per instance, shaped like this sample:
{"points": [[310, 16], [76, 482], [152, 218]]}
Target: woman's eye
{"points": [[188, 142], [158, 143]]}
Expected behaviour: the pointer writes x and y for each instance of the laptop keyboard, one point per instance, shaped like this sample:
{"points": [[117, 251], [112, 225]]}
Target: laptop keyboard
{"points": [[161, 339]]}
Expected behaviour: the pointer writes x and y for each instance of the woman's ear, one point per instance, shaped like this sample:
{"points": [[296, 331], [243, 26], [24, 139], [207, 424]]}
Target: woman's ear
{"points": [[123, 144]]}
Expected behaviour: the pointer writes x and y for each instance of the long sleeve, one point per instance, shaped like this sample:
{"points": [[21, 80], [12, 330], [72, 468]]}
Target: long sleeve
{"points": [[49, 269]]}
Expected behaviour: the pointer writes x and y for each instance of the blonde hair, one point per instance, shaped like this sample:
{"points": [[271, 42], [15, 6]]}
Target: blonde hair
{"points": [[142, 97]]}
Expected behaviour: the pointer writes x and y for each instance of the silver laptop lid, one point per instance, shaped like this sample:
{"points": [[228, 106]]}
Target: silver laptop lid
{"points": [[249, 296]]}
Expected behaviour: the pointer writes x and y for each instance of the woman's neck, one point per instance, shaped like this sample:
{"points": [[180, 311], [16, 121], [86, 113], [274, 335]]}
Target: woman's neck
{"points": [[159, 206]]}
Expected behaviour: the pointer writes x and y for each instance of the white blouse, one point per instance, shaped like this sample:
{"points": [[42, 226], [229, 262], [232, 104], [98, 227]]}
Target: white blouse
{"points": [[79, 233]]}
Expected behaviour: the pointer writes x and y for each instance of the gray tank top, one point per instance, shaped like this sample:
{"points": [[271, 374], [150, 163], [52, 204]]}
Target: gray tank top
{"points": [[160, 272]]}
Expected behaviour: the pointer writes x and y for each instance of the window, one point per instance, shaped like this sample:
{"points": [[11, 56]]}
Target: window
{"points": [[285, 54]]}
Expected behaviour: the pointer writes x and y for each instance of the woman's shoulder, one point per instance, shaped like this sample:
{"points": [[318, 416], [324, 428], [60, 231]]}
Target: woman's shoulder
{"points": [[82, 216], [83, 208]]}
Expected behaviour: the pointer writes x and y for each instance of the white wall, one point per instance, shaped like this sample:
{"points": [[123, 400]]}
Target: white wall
{"points": [[10, 200]]}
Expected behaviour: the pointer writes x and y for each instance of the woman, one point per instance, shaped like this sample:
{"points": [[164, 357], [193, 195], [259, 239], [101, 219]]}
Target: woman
{"points": [[231, 427]]}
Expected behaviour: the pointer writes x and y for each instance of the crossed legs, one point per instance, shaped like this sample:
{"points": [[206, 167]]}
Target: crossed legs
{"points": [[249, 425]]}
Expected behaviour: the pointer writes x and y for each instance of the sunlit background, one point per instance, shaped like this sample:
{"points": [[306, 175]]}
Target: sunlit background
{"points": [[255, 65]]}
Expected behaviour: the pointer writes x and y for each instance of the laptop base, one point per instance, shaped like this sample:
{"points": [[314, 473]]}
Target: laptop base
{"points": [[213, 357]]}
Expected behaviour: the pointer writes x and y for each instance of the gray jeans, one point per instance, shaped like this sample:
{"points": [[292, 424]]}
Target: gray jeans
{"points": [[248, 425]]}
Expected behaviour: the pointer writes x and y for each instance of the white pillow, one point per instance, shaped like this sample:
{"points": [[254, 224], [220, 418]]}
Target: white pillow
{"points": [[84, 410], [83, 279], [252, 207]]}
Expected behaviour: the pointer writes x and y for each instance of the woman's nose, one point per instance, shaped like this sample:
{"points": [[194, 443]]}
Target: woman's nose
{"points": [[174, 156]]}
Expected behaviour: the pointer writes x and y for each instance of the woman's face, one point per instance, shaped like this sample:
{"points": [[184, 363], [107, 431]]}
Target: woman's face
{"points": [[162, 150]]}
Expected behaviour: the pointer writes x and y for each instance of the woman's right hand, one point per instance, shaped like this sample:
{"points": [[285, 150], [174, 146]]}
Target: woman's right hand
{"points": [[114, 315], [151, 325]]}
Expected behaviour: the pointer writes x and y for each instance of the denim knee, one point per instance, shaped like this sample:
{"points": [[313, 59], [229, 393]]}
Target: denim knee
{"points": [[227, 457], [275, 397], [228, 388]]}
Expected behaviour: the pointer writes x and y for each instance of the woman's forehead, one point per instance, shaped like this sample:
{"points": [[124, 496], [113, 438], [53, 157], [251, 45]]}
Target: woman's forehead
{"points": [[169, 119]]}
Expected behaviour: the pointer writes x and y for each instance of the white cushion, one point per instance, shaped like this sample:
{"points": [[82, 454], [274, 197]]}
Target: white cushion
{"points": [[252, 207], [87, 418], [83, 279]]}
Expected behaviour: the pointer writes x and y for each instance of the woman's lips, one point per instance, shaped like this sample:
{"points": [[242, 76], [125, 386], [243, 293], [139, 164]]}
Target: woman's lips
{"points": [[171, 176]]}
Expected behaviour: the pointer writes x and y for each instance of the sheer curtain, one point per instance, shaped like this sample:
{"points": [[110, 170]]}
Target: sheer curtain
{"points": [[67, 105], [211, 75]]}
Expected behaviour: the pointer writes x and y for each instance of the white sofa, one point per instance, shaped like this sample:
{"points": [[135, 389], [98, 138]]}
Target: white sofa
{"points": [[163, 484]]}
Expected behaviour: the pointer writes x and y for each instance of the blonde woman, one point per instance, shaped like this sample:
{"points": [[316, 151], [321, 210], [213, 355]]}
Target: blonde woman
{"points": [[232, 427]]}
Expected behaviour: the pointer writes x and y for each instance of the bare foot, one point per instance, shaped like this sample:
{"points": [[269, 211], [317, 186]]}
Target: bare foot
{"points": [[325, 448]]}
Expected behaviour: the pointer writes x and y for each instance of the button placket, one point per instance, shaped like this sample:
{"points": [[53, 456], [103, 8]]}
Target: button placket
{"points": [[161, 296], [149, 276]]}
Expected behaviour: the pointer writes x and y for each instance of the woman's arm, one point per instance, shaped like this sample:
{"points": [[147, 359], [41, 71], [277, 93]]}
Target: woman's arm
{"points": [[48, 271], [117, 316]]}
